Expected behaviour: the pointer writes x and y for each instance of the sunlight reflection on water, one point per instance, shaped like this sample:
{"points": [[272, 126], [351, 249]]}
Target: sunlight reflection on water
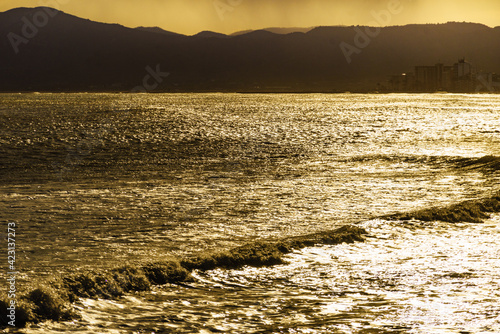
{"points": [[175, 174]]}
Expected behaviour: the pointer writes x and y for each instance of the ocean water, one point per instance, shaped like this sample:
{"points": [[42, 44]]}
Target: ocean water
{"points": [[93, 181]]}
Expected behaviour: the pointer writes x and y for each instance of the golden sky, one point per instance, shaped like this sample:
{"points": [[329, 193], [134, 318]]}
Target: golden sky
{"points": [[228, 16]]}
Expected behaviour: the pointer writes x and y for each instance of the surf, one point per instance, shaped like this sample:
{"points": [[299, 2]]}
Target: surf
{"points": [[53, 300]]}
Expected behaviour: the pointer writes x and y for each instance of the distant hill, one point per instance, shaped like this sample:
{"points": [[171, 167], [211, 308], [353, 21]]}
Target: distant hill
{"points": [[281, 31], [210, 34], [157, 30], [71, 54]]}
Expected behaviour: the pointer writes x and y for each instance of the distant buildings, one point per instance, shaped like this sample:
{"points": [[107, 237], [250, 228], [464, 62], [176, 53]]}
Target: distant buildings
{"points": [[462, 77]]}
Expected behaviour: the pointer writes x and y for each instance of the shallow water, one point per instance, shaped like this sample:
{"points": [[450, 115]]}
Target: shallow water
{"points": [[95, 180]]}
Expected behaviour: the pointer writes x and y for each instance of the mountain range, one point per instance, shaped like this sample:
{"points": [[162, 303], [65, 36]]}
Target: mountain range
{"points": [[42, 49]]}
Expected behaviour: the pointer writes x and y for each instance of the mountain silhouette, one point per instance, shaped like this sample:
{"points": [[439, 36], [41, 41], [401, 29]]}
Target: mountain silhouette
{"points": [[209, 34], [158, 30], [276, 30], [47, 50]]}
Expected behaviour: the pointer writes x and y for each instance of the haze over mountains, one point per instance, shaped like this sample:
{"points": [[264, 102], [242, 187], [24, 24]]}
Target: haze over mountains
{"points": [[45, 50]]}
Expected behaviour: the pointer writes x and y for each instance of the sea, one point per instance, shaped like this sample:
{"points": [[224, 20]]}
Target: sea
{"points": [[94, 181]]}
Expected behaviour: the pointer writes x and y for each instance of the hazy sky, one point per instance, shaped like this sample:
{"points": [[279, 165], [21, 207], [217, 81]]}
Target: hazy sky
{"points": [[227, 16]]}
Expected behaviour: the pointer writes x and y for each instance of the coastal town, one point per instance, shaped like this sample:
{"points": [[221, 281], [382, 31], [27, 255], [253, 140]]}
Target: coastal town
{"points": [[461, 77]]}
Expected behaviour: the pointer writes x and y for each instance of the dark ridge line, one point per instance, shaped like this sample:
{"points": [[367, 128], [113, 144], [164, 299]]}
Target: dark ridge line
{"points": [[269, 253], [488, 162], [53, 300], [471, 211]]}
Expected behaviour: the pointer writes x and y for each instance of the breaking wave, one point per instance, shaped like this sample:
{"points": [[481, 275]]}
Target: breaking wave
{"points": [[53, 300], [472, 211], [489, 162]]}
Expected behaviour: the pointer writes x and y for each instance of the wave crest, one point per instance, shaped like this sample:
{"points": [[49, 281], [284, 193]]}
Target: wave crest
{"points": [[473, 211], [488, 162], [53, 300]]}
